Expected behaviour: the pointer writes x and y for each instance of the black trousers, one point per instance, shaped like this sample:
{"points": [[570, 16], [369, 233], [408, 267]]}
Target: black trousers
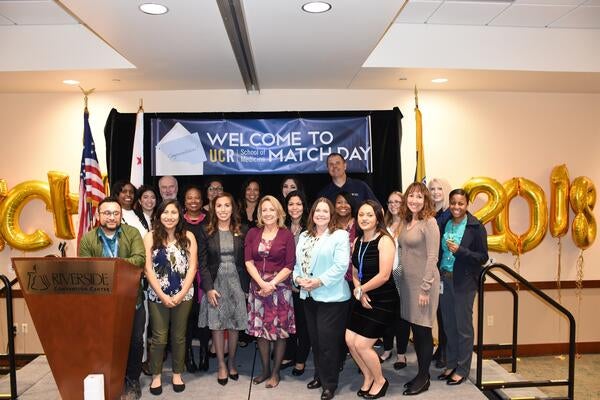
{"points": [[298, 344], [326, 323], [136, 345], [400, 329]]}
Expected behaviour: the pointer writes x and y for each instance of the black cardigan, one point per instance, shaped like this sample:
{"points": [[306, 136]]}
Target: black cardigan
{"points": [[472, 252], [209, 254]]}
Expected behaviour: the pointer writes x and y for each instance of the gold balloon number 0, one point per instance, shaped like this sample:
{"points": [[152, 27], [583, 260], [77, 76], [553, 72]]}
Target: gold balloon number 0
{"points": [[582, 196]]}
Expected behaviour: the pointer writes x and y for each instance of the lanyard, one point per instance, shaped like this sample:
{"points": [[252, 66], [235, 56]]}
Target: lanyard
{"points": [[360, 259], [112, 252]]}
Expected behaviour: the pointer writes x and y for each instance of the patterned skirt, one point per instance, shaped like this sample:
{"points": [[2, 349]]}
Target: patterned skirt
{"points": [[271, 317]]}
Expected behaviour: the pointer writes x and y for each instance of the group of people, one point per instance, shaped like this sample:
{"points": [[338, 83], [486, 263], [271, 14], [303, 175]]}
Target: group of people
{"points": [[335, 276]]}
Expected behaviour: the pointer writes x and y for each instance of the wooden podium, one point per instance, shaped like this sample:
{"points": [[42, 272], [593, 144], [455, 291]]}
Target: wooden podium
{"points": [[83, 311]]}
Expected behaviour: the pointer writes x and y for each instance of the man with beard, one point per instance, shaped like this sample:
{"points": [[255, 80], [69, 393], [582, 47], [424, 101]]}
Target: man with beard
{"points": [[111, 239], [168, 187]]}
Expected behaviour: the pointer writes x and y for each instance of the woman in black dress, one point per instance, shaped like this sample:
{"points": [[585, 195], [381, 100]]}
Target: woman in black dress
{"points": [[375, 291]]}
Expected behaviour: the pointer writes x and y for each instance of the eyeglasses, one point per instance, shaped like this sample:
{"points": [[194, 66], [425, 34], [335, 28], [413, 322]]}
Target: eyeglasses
{"points": [[396, 202], [215, 188], [108, 214]]}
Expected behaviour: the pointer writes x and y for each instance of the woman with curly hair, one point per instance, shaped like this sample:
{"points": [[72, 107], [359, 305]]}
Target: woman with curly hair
{"points": [[420, 284], [171, 259]]}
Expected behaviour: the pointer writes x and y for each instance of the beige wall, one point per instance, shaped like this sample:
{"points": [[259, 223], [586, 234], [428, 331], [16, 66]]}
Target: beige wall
{"points": [[466, 134]]}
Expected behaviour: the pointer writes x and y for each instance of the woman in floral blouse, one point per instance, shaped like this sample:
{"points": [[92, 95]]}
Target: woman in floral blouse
{"points": [[171, 260]]}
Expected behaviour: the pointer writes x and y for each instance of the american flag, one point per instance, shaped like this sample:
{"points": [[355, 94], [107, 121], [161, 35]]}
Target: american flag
{"points": [[91, 188]]}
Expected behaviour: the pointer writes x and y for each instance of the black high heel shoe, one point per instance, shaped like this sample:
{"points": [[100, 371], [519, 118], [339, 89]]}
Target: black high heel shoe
{"points": [[362, 393], [452, 382], [412, 391], [445, 377], [379, 394]]}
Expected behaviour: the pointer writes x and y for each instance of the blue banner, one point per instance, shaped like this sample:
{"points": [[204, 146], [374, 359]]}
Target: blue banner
{"points": [[258, 146]]}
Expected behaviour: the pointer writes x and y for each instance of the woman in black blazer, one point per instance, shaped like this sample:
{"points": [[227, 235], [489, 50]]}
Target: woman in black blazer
{"points": [[463, 250], [224, 280]]}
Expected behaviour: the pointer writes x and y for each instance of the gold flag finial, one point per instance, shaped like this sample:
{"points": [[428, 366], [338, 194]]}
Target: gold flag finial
{"points": [[141, 105], [86, 93]]}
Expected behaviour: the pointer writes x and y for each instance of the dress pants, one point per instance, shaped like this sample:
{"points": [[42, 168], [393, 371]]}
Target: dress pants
{"points": [[326, 323], [136, 346], [457, 311]]}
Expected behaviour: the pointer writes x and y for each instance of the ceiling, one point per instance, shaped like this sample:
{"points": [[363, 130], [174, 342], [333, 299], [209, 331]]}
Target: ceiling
{"points": [[523, 45]]}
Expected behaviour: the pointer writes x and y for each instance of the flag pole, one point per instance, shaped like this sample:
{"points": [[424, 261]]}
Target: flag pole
{"points": [[141, 105], [416, 97]]}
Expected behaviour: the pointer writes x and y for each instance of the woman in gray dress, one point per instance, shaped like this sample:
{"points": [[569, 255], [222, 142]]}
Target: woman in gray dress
{"points": [[224, 280], [420, 284]]}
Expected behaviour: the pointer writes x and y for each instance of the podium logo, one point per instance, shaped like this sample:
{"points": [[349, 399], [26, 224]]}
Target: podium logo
{"points": [[37, 282]]}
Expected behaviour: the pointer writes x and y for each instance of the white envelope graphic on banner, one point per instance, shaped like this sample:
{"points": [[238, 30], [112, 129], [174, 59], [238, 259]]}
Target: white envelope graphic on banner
{"points": [[180, 153]]}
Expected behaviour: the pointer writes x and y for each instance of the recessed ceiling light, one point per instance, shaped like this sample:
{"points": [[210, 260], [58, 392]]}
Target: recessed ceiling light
{"points": [[70, 82], [439, 80], [153, 9], [316, 7]]}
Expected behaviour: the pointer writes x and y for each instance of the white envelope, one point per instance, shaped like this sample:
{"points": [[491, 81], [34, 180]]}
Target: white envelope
{"points": [[180, 153]]}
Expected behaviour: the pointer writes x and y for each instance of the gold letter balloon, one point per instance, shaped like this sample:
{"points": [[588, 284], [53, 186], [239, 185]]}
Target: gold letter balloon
{"points": [[10, 212], [583, 199], [54, 193], [559, 201]]}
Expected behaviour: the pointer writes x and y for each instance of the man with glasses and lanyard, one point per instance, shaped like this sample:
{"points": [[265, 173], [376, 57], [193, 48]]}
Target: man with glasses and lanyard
{"points": [[111, 239]]}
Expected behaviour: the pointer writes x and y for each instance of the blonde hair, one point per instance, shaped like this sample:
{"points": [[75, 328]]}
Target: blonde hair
{"points": [[278, 209], [446, 188]]}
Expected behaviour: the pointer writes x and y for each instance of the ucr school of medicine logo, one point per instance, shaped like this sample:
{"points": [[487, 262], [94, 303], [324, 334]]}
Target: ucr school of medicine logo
{"points": [[37, 282]]}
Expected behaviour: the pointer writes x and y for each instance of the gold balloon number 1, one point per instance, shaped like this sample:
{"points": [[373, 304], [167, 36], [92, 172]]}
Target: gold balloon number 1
{"points": [[581, 195]]}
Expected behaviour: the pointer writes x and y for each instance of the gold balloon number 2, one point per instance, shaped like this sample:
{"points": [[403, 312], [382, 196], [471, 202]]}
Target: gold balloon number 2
{"points": [[581, 195]]}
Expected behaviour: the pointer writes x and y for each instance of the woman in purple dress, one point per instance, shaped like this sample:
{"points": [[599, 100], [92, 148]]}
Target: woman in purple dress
{"points": [[270, 258]]}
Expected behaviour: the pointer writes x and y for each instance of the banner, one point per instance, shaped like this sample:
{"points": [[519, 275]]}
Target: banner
{"points": [[251, 146]]}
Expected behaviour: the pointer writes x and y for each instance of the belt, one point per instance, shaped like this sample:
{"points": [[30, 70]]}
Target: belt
{"points": [[446, 274]]}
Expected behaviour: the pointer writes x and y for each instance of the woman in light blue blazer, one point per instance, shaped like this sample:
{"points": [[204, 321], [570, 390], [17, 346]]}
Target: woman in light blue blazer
{"points": [[322, 257]]}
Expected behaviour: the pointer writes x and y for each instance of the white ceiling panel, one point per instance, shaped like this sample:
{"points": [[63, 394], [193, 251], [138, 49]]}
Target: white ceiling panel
{"points": [[581, 17], [295, 49], [187, 48], [417, 12], [55, 47], [551, 2], [488, 47], [466, 13], [35, 13], [534, 16]]}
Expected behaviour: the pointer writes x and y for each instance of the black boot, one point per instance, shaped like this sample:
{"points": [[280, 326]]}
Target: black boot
{"points": [[203, 356], [190, 364]]}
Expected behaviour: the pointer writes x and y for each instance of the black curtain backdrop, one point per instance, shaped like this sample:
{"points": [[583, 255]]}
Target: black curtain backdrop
{"points": [[386, 133]]}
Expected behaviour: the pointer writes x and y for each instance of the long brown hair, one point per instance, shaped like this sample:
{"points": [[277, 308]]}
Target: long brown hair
{"points": [[234, 221], [427, 210], [311, 227], [159, 233], [379, 226]]}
